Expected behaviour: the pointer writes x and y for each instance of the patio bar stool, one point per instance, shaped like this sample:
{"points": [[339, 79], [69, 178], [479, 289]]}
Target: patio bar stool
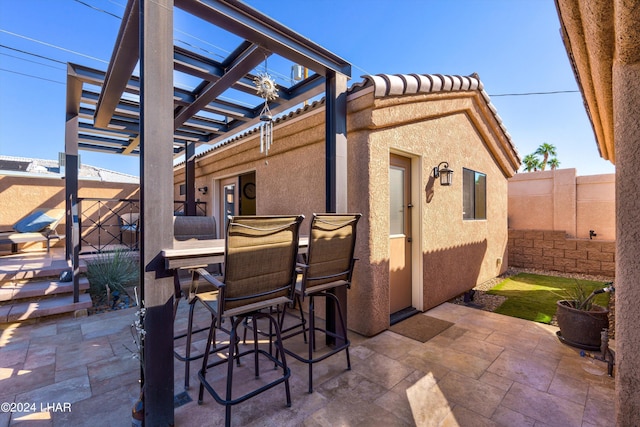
{"points": [[194, 286], [259, 272], [187, 283], [329, 266]]}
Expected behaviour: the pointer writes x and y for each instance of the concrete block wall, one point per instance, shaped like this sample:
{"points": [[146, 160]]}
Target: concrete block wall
{"points": [[555, 251]]}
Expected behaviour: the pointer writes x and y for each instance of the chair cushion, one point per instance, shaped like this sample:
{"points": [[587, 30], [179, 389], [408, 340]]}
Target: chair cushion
{"points": [[34, 222]]}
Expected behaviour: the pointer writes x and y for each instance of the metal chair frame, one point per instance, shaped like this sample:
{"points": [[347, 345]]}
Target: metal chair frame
{"points": [[323, 287], [233, 300], [188, 228]]}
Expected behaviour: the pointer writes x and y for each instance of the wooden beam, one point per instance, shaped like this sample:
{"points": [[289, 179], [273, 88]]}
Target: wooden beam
{"points": [[156, 206], [247, 61], [132, 145], [256, 27], [123, 61]]}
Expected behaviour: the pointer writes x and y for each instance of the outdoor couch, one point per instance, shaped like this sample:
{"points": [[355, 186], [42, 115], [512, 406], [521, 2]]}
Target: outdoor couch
{"points": [[39, 226]]}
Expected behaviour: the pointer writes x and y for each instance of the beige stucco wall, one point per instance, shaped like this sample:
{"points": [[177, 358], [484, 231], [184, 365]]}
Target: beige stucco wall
{"points": [[603, 41], [596, 206], [627, 134], [21, 194], [456, 254], [558, 200]]}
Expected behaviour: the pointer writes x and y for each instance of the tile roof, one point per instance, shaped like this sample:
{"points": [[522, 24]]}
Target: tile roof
{"points": [[412, 84], [385, 85], [409, 84]]}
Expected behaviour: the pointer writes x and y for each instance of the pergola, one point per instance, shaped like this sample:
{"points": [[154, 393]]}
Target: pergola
{"points": [[117, 112]]}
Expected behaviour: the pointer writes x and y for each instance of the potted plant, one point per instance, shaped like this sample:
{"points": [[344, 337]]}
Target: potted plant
{"points": [[580, 320]]}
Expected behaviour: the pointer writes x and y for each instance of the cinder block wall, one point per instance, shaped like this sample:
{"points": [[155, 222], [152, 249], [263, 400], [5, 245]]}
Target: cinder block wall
{"points": [[553, 250]]}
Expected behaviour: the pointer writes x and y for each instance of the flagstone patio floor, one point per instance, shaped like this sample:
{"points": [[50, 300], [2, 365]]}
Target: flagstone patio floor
{"points": [[485, 370]]}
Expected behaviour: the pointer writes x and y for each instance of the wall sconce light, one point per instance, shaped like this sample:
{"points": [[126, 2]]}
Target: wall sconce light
{"points": [[203, 190], [445, 174]]}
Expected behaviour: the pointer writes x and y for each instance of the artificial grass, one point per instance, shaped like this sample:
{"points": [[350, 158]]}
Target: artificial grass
{"points": [[534, 296]]}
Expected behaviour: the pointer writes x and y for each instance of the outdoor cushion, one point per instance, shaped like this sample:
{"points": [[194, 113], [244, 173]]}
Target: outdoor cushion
{"points": [[34, 222]]}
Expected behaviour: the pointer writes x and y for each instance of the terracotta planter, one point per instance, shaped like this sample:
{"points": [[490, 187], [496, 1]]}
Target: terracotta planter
{"points": [[579, 328]]}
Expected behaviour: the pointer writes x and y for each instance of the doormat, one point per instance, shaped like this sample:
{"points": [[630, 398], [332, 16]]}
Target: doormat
{"points": [[420, 327]]}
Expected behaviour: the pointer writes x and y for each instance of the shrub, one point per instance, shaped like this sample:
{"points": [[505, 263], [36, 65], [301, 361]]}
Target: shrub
{"points": [[113, 270]]}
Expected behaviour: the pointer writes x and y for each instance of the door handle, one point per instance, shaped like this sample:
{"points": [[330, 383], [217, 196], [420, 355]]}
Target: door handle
{"points": [[409, 239]]}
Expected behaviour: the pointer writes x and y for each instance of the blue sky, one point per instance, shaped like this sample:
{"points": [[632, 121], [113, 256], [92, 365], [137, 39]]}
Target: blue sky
{"points": [[514, 46]]}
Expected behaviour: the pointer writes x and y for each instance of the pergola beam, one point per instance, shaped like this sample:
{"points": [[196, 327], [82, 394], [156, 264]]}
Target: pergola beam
{"points": [[315, 86], [133, 145], [245, 62], [123, 62], [248, 23]]}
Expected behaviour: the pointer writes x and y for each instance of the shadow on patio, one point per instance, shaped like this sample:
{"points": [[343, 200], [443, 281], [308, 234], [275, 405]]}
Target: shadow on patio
{"points": [[486, 369]]}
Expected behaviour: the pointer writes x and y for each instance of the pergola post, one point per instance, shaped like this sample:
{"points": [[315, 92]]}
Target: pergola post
{"points": [[156, 206], [336, 142], [336, 175], [72, 246], [190, 179]]}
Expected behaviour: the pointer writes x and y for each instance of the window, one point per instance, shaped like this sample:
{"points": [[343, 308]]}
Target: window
{"points": [[396, 202], [474, 196]]}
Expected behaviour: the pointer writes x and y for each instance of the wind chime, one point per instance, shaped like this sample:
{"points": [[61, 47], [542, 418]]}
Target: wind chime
{"points": [[266, 89]]}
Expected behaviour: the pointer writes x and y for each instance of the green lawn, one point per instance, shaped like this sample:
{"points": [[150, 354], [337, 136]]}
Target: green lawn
{"points": [[533, 296]]}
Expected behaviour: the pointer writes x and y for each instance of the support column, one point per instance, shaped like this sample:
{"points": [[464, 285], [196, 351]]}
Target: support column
{"points": [[190, 178], [626, 108], [72, 229], [336, 175], [336, 142], [156, 206]]}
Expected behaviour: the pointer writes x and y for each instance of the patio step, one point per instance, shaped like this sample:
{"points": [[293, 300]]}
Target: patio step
{"points": [[57, 304], [33, 289], [24, 271]]}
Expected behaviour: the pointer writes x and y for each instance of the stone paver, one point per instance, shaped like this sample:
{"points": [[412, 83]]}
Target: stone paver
{"points": [[486, 370]]}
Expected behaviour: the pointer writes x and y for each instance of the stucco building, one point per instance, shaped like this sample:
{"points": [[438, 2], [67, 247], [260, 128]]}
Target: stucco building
{"points": [[419, 243], [603, 43]]}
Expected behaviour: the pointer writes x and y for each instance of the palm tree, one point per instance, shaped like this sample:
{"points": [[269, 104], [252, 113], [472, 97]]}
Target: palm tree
{"points": [[531, 162], [554, 163], [545, 150]]}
